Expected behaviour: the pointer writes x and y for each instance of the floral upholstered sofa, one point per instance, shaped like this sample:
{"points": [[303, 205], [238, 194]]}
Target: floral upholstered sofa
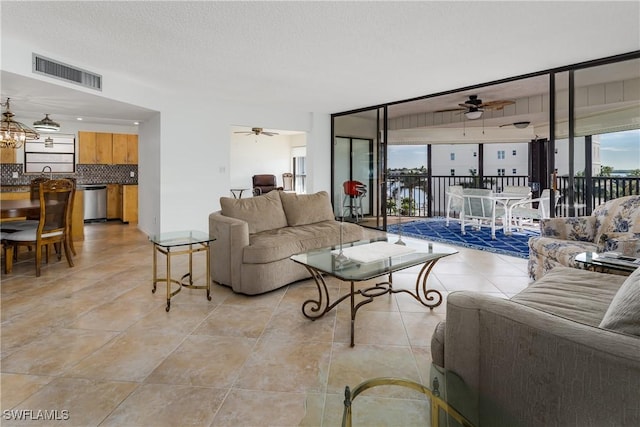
{"points": [[612, 226]]}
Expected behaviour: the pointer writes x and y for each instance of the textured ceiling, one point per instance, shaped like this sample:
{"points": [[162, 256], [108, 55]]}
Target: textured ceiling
{"points": [[311, 56]]}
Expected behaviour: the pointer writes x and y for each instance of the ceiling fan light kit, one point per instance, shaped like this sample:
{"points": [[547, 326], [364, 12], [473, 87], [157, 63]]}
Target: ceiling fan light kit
{"points": [[14, 134], [473, 114], [46, 125]]}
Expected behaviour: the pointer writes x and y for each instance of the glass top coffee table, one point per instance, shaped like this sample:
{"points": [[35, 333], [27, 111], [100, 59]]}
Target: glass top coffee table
{"points": [[607, 261], [365, 260]]}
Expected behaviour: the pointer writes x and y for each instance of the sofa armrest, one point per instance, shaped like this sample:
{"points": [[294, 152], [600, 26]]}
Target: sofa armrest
{"points": [[530, 367], [580, 228], [232, 235]]}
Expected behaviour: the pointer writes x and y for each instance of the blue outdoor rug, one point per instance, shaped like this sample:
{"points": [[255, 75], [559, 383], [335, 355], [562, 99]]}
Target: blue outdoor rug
{"points": [[434, 229]]}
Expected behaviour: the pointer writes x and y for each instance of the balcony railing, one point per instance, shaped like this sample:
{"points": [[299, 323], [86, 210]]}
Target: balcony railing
{"points": [[411, 194]]}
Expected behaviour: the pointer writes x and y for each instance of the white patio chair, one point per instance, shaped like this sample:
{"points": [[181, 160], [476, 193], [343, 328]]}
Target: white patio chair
{"points": [[523, 210], [479, 209], [454, 201]]}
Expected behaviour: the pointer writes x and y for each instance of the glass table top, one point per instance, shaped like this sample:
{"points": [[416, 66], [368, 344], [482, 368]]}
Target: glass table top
{"points": [[619, 262], [350, 266], [180, 238]]}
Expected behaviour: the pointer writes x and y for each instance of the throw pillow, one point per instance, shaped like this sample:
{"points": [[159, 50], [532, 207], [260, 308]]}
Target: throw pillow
{"points": [[623, 314], [261, 213], [303, 209]]}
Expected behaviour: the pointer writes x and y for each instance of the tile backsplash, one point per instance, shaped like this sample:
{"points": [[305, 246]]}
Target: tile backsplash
{"points": [[85, 174]]}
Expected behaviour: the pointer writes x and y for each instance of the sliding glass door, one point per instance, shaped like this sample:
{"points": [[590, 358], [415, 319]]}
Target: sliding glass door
{"points": [[357, 153]]}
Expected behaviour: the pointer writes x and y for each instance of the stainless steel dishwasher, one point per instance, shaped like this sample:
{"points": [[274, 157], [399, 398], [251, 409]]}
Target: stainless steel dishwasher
{"points": [[95, 202]]}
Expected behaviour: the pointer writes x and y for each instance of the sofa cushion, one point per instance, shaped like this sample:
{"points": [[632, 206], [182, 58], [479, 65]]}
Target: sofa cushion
{"points": [[562, 251], [275, 245], [261, 213], [579, 295], [623, 315], [271, 245], [303, 209]]}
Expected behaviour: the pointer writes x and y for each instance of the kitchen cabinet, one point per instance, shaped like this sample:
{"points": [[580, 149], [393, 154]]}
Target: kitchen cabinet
{"points": [[130, 203], [95, 148], [125, 149], [7, 155], [114, 201]]}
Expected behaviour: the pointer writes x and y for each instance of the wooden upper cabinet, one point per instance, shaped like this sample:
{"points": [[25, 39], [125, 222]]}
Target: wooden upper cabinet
{"points": [[125, 149], [87, 147], [95, 148], [107, 148], [132, 149], [7, 155], [104, 148]]}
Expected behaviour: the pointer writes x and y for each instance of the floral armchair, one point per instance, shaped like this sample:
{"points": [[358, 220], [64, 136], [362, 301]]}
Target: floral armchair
{"points": [[612, 226]]}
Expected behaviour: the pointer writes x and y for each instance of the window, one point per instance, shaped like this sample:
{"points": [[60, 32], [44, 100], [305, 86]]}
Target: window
{"points": [[514, 171], [60, 157], [453, 156], [501, 154], [501, 171], [453, 172], [513, 152], [475, 154]]}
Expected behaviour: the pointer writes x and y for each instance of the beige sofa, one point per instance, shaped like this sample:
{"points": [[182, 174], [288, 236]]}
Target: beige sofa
{"points": [[256, 236], [613, 226], [563, 352]]}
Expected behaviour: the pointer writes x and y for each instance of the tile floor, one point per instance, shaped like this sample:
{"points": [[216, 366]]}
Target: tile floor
{"points": [[94, 343]]}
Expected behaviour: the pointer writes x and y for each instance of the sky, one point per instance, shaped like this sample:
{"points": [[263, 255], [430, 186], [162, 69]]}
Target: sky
{"points": [[621, 150]]}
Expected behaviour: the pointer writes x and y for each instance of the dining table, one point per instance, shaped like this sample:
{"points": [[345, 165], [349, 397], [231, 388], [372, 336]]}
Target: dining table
{"points": [[20, 208], [505, 200]]}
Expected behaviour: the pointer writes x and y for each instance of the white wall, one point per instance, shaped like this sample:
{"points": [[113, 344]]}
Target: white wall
{"points": [[184, 152], [251, 155]]}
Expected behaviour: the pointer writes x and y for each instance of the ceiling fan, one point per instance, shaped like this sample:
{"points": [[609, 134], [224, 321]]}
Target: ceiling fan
{"points": [[258, 131], [519, 125], [474, 106]]}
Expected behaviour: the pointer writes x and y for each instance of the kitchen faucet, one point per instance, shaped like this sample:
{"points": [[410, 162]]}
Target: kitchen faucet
{"points": [[50, 171]]}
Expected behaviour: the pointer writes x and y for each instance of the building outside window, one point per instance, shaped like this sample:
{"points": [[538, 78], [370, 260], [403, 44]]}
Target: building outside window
{"points": [[514, 171], [501, 154], [453, 156], [500, 171], [453, 172], [514, 152]]}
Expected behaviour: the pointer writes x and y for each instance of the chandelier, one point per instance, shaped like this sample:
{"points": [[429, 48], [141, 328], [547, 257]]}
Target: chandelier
{"points": [[13, 133]]}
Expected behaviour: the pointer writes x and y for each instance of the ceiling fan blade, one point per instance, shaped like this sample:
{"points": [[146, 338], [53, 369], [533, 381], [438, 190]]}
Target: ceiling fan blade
{"points": [[498, 104], [270, 133], [450, 109]]}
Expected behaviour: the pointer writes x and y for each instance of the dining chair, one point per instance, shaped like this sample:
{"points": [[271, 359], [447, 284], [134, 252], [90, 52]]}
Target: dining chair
{"points": [[55, 198], [478, 209], [525, 209], [30, 221], [287, 181], [454, 201]]}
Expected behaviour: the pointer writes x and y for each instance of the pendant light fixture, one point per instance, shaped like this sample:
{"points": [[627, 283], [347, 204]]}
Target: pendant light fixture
{"points": [[46, 125], [14, 134]]}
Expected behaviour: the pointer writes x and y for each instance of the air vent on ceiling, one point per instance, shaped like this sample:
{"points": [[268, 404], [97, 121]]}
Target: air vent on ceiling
{"points": [[51, 68]]}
